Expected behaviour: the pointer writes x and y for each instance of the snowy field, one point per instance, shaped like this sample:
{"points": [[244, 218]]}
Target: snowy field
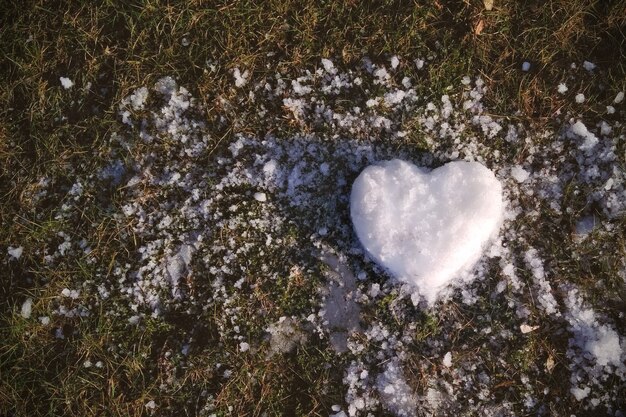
{"points": [[336, 240]]}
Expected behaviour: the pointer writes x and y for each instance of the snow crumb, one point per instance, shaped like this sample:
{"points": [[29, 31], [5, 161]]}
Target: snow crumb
{"points": [[244, 347], [419, 63], [395, 62], [525, 328], [27, 307], [44, 320], [580, 98], [261, 197], [526, 66], [15, 253], [138, 98], [562, 88], [610, 109], [241, 79], [150, 405], [66, 82], [329, 67], [390, 201], [619, 97], [519, 174], [580, 394], [447, 360], [590, 140], [589, 66]]}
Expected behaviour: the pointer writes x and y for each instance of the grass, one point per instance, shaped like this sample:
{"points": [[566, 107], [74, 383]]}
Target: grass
{"points": [[46, 131]]}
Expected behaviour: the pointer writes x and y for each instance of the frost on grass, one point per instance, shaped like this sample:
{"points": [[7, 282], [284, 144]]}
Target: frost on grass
{"points": [[250, 235]]}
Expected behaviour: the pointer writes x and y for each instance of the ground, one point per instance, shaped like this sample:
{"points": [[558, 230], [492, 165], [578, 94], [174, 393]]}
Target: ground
{"points": [[176, 234]]}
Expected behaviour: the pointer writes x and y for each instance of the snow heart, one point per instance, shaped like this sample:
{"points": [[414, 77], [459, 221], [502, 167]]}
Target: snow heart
{"points": [[426, 228]]}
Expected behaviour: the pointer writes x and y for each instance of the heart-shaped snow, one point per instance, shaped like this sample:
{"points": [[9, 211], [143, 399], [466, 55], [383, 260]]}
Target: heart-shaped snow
{"points": [[426, 228]]}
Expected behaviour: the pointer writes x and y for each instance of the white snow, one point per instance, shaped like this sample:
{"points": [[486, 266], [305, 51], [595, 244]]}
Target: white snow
{"points": [[261, 197], [138, 99], [15, 253], [66, 82], [589, 66], [580, 98], [519, 174], [27, 308], [590, 140], [426, 228], [329, 67], [598, 340], [395, 62], [526, 66], [562, 88], [619, 97], [241, 79], [394, 391], [447, 360], [244, 347], [580, 393]]}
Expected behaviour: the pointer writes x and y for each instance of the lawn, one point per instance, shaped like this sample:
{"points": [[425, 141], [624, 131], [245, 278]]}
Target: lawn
{"points": [[176, 236]]}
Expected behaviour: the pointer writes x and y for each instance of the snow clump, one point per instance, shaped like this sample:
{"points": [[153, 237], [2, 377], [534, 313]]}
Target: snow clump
{"points": [[426, 228], [66, 82], [15, 252]]}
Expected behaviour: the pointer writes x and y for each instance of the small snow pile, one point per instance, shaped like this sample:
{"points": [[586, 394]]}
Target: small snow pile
{"points": [[519, 174], [426, 228], [137, 100], [15, 253], [562, 88], [590, 140], [260, 197], [66, 82], [241, 79], [526, 66], [589, 66], [27, 308], [595, 351], [580, 98]]}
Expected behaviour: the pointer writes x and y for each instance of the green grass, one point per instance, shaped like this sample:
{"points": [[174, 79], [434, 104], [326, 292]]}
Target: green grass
{"points": [[119, 46]]}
